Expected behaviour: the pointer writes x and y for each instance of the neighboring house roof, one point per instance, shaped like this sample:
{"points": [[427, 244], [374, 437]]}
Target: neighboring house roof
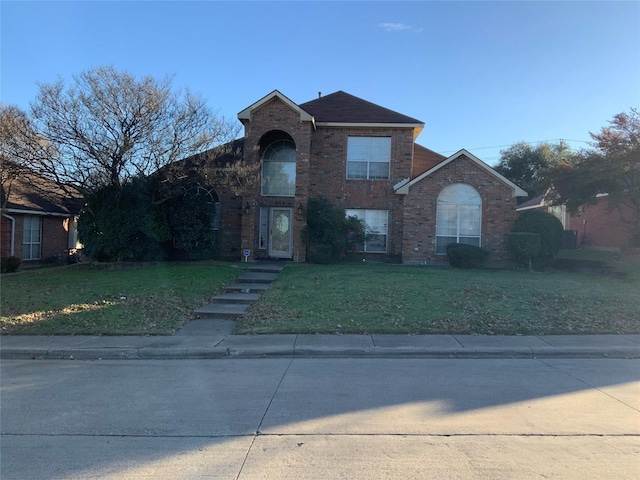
{"points": [[33, 194], [536, 202], [403, 187], [424, 159]]}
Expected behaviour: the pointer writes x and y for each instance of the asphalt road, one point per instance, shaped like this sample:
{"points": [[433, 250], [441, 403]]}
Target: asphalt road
{"points": [[325, 418]]}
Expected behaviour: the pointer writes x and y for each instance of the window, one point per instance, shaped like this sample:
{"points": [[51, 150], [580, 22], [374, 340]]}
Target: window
{"points": [[458, 217], [279, 169], [31, 237], [376, 227], [368, 157]]}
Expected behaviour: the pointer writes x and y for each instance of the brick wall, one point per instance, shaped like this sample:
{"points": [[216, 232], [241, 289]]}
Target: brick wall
{"points": [[601, 226], [328, 177], [498, 212], [272, 116]]}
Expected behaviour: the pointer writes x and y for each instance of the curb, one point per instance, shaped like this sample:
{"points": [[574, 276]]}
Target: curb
{"points": [[185, 353]]}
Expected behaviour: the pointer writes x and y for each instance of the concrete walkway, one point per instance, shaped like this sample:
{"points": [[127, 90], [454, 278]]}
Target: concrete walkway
{"points": [[210, 335]]}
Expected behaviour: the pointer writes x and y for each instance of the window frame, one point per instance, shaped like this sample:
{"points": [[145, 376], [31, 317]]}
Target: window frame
{"points": [[359, 213], [362, 154], [459, 221], [28, 243], [268, 162]]}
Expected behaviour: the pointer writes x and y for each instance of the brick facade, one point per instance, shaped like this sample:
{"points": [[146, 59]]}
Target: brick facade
{"points": [[321, 163], [498, 211]]}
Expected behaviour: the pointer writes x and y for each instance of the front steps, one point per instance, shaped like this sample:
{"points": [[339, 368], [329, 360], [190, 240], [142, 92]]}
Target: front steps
{"points": [[239, 296]]}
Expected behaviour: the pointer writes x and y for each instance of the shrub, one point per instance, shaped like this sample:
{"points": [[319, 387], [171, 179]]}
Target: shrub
{"points": [[551, 233], [329, 234], [462, 255], [9, 264], [523, 247]]}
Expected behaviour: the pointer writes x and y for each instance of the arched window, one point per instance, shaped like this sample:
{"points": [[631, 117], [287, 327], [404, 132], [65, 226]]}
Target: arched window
{"points": [[279, 169], [459, 216]]}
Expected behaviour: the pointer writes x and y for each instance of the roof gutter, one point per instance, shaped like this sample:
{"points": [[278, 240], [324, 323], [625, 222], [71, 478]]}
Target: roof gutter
{"points": [[13, 233]]}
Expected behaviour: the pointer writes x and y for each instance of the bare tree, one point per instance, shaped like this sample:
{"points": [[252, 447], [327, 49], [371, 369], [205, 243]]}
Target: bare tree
{"points": [[20, 147], [110, 126]]}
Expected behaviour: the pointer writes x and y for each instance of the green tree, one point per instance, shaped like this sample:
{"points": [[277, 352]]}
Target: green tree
{"points": [[528, 166], [612, 166]]}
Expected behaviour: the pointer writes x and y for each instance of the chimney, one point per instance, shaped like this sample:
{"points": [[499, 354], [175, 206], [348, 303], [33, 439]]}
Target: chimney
{"points": [[319, 94]]}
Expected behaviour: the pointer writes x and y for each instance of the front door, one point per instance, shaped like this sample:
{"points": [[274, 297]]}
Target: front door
{"points": [[281, 232]]}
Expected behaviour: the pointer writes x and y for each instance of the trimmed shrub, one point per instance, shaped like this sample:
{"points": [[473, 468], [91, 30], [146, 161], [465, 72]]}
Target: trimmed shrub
{"points": [[462, 255], [551, 233], [523, 247], [9, 264]]}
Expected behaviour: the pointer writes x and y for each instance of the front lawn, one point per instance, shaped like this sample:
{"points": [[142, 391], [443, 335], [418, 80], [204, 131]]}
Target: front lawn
{"points": [[376, 298], [82, 300]]}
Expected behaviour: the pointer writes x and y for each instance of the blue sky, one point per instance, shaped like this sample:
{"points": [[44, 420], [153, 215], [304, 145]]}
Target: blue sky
{"points": [[481, 75]]}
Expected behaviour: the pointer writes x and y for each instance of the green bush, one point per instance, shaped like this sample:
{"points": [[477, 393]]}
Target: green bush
{"points": [[551, 233], [9, 264], [523, 247], [122, 224], [329, 234], [462, 255]]}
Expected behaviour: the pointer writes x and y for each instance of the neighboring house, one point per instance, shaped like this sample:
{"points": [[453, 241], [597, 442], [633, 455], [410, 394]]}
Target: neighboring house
{"points": [[600, 225], [542, 203], [595, 225], [39, 221], [363, 158]]}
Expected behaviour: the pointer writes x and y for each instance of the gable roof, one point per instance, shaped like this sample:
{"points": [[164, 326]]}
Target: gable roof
{"points": [[341, 107], [32, 194], [403, 188], [246, 113]]}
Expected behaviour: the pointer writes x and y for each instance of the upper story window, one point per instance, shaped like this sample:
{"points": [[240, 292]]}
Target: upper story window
{"points": [[279, 169], [368, 157], [458, 216]]}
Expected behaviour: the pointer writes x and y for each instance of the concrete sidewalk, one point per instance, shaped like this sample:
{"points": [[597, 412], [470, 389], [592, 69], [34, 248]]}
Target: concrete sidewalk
{"points": [[224, 345]]}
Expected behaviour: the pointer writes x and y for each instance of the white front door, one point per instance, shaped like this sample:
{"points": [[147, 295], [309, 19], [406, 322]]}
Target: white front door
{"points": [[280, 232]]}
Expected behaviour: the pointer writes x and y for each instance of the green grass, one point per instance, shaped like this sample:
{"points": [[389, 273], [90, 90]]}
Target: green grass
{"points": [[80, 300], [350, 298], [418, 300]]}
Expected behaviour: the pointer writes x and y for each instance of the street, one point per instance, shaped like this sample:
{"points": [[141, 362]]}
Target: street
{"points": [[297, 418]]}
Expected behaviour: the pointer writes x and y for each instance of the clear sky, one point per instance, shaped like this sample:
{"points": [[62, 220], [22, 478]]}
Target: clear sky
{"points": [[480, 75]]}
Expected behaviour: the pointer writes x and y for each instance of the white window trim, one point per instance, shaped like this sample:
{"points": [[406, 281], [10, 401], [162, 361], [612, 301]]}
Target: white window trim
{"points": [[358, 213], [387, 160], [30, 244], [458, 218]]}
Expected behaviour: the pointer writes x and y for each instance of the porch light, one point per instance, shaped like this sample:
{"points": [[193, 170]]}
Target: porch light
{"points": [[247, 209], [300, 209]]}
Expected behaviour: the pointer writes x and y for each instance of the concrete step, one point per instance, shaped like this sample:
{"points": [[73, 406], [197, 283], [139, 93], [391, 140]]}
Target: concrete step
{"points": [[266, 267], [222, 310], [236, 297], [256, 277], [247, 287]]}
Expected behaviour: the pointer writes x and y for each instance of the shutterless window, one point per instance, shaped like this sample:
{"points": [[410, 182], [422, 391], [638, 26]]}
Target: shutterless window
{"points": [[368, 158], [279, 169], [458, 217], [376, 229], [32, 237]]}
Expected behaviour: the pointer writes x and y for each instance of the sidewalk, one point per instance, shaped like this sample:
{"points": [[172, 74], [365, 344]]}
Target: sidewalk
{"points": [[198, 346]]}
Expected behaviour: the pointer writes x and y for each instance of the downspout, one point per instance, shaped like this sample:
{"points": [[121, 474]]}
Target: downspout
{"points": [[13, 232]]}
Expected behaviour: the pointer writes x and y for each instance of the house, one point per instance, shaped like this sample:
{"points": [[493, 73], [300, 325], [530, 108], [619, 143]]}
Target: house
{"points": [[595, 225], [364, 158], [38, 221]]}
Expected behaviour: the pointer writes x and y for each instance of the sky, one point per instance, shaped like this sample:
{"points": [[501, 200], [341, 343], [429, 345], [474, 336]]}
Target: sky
{"points": [[481, 75]]}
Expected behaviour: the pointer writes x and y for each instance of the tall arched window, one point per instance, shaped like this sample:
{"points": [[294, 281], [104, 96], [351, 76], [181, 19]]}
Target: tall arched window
{"points": [[459, 216], [279, 169]]}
